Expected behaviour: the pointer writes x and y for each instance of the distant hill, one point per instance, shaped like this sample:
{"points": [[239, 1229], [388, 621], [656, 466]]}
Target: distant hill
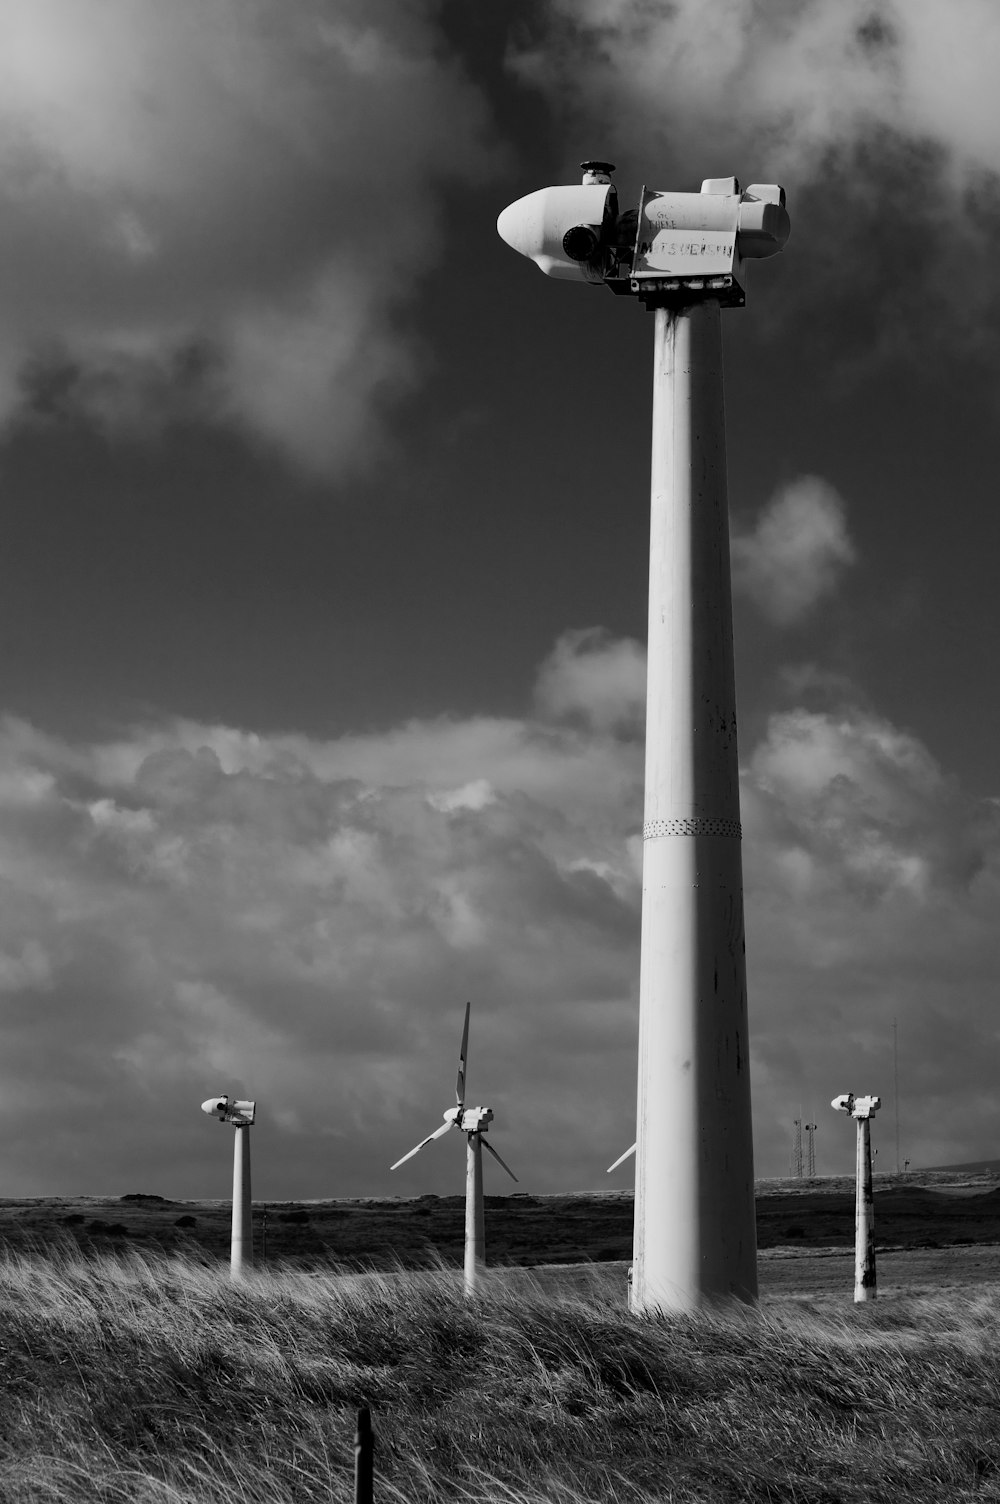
{"points": [[980, 1167]]}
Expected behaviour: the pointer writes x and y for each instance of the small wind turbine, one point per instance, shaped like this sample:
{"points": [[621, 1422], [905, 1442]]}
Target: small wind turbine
{"points": [[473, 1122], [862, 1109], [241, 1115]]}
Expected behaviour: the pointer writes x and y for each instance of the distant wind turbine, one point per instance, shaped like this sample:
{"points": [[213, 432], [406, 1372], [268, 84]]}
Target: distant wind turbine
{"points": [[862, 1109], [473, 1122], [241, 1116]]}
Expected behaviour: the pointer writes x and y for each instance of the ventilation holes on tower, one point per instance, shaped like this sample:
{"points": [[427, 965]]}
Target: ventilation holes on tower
{"points": [[699, 827]]}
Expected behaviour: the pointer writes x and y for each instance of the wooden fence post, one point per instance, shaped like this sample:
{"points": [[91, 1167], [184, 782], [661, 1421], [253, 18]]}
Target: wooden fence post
{"points": [[364, 1452]]}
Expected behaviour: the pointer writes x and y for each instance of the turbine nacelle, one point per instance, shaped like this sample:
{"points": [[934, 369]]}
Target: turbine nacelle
{"points": [[856, 1107], [240, 1114], [675, 249], [469, 1119], [475, 1119]]}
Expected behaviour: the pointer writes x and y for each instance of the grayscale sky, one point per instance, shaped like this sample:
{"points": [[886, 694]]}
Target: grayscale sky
{"points": [[323, 575]]}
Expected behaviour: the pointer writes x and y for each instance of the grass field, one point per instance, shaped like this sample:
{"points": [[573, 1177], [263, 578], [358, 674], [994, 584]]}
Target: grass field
{"points": [[137, 1377], [936, 1209]]}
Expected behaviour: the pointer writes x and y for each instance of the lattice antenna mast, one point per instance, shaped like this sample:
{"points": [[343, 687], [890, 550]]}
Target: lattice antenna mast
{"points": [[895, 1086], [797, 1149]]}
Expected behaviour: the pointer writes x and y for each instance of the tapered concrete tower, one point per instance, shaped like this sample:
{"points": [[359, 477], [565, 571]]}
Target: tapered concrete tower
{"points": [[683, 255], [241, 1115], [863, 1109], [475, 1213], [694, 1206], [241, 1237]]}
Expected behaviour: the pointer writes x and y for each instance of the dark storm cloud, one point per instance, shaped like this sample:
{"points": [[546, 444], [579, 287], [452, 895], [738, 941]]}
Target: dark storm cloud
{"points": [[873, 885], [881, 119], [788, 81], [218, 209]]}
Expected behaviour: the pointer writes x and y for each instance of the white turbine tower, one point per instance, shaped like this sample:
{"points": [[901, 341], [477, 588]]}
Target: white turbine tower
{"points": [[473, 1122], [685, 257], [863, 1109], [241, 1116]]}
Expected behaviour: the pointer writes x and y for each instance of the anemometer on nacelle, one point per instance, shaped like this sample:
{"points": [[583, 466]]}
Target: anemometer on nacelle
{"points": [[676, 248]]}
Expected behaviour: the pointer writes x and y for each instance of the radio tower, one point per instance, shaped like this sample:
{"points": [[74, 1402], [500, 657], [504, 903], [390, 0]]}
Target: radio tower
{"points": [[895, 1085], [797, 1150], [811, 1150]]}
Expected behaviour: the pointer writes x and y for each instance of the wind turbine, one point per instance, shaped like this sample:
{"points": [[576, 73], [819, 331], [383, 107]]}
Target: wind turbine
{"points": [[473, 1122], [863, 1109], [241, 1115], [685, 256]]}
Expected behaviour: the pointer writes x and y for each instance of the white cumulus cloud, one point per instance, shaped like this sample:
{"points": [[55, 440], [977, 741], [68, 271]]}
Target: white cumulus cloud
{"points": [[598, 679], [795, 555], [195, 908]]}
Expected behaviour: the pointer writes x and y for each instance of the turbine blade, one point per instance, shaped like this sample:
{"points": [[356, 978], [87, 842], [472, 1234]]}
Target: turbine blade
{"points": [[621, 1159], [462, 1059], [438, 1133], [487, 1145]]}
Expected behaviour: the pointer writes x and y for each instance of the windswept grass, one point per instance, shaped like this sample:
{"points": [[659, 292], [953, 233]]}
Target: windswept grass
{"points": [[127, 1380]]}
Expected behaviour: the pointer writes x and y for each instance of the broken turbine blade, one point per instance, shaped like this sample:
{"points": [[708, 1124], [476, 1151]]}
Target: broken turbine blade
{"points": [[438, 1133], [621, 1159], [463, 1057], [487, 1145]]}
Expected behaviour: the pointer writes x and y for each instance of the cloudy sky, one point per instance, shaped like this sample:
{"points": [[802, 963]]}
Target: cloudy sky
{"points": [[323, 574]]}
